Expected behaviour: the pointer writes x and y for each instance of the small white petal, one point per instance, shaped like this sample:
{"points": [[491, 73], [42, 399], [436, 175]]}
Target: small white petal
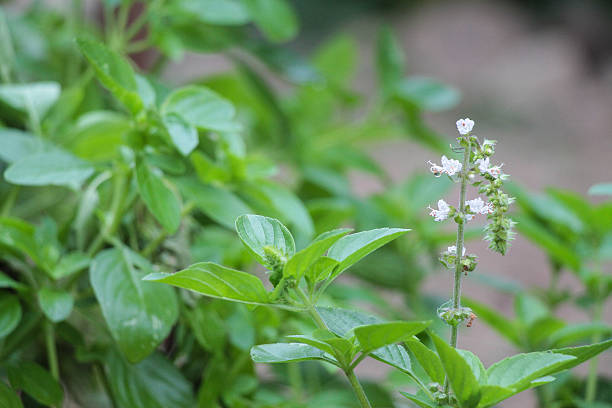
{"points": [[465, 126]]}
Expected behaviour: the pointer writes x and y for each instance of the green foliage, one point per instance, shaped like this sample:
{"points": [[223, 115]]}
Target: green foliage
{"points": [[216, 281], [35, 381], [139, 314], [55, 304], [113, 180]]}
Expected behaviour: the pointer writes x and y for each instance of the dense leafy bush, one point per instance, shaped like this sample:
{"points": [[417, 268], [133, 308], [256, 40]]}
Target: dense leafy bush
{"points": [[114, 181]]}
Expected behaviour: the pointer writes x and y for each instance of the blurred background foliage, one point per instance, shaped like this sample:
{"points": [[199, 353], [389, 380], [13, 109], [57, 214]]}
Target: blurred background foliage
{"points": [[308, 144]]}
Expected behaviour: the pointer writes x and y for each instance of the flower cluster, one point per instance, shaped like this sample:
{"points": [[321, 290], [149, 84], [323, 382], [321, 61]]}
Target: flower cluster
{"points": [[499, 229], [275, 262], [448, 258], [476, 162], [454, 316]]}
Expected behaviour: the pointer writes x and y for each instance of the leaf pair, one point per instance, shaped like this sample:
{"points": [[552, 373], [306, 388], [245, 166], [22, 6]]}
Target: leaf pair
{"points": [[340, 346], [473, 386], [267, 237]]}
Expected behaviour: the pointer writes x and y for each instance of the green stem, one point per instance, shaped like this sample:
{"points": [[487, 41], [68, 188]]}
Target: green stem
{"points": [[51, 349], [357, 388], [116, 211], [591, 386], [459, 245], [137, 25], [5, 40], [363, 399], [460, 238], [153, 245], [295, 379], [9, 202]]}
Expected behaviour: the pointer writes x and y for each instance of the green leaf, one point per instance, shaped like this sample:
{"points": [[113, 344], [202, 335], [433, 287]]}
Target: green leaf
{"points": [[221, 12], [287, 353], [220, 204], [56, 168], [34, 98], [159, 199], [390, 58], [461, 378], [312, 341], [336, 59], [492, 394], [10, 314], [321, 269], [69, 265], [426, 93], [8, 398], [8, 282], [428, 360], [202, 108], [541, 236], [98, 135], [475, 365], [36, 382], [582, 353], [343, 321], [17, 144], [257, 232], [574, 333], [351, 248], [139, 314], [216, 281], [55, 304], [153, 383], [305, 259], [601, 189], [275, 18], [530, 309], [183, 135], [375, 336], [519, 370], [114, 72], [504, 326], [419, 401], [19, 235], [288, 206]]}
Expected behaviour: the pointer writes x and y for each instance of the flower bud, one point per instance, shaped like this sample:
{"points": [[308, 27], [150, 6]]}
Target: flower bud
{"points": [[275, 261]]}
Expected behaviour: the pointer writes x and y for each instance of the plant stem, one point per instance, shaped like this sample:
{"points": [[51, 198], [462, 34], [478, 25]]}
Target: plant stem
{"points": [[363, 399], [9, 202], [459, 247], [591, 385], [116, 211], [295, 379], [154, 244], [357, 388], [460, 237], [51, 349]]}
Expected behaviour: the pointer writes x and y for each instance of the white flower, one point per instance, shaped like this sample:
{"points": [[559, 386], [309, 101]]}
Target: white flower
{"points": [[442, 212], [452, 250], [485, 168], [477, 206], [449, 166], [483, 164], [464, 126]]}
